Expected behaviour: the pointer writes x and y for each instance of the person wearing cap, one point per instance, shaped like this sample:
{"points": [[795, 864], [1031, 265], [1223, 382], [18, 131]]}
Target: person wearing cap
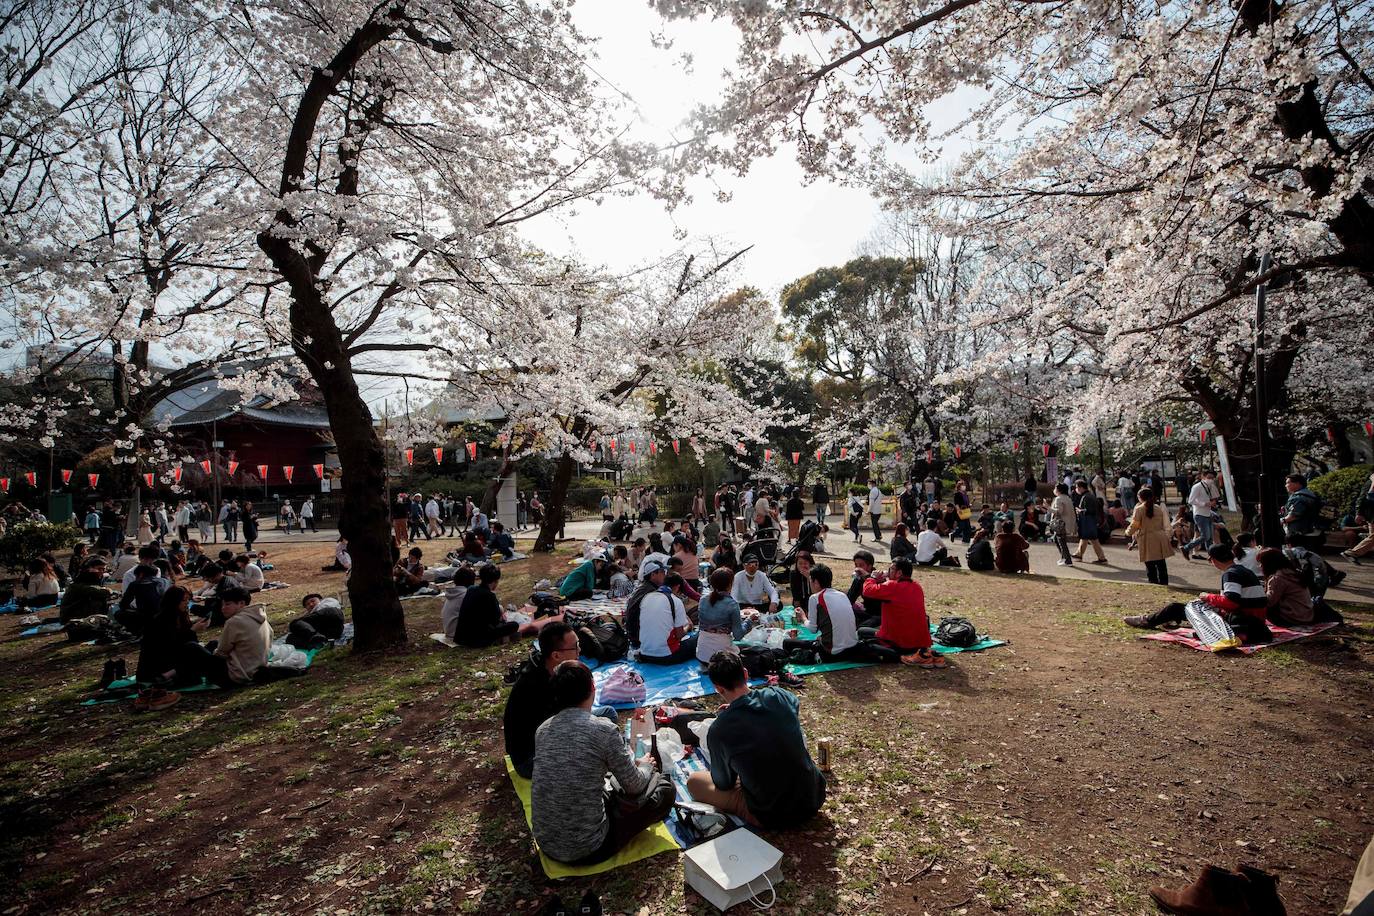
{"points": [[579, 584], [753, 589], [652, 574]]}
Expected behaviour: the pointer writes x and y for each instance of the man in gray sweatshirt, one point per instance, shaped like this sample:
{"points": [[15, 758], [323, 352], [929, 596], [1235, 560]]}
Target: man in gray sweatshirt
{"points": [[575, 818]]}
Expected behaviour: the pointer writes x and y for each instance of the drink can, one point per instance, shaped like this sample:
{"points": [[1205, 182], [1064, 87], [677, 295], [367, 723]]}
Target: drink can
{"points": [[823, 751]]}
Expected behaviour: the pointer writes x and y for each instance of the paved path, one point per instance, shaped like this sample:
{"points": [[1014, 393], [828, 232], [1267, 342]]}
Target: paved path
{"points": [[1122, 565]]}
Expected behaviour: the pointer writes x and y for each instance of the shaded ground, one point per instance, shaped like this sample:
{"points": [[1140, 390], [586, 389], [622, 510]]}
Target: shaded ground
{"points": [[1065, 773]]}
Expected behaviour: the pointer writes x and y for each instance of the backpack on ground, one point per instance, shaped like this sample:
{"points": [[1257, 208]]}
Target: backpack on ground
{"points": [[602, 638], [760, 661], [956, 632]]}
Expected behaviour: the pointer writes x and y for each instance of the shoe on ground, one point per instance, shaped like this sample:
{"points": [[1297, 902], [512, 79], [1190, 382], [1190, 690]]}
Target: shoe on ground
{"points": [[590, 905], [1139, 621], [788, 679], [1350, 555], [925, 658], [1216, 892], [555, 907], [1102, 562], [1264, 896], [1063, 562], [155, 698], [1187, 554], [107, 675]]}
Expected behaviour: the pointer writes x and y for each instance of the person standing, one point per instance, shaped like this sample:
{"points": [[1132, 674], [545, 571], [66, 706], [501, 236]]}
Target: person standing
{"points": [[856, 513], [1031, 488], [820, 501], [963, 508], [433, 526], [795, 511], [1202, 499], [1126, 492], [928, 488], [250, 526], [93, 525], [308, 514], [400, 519], [182, 520], [1150, 528], [288, 515], [699, 507], [1063, 522], [1090, 518], [875, 510], [1100, 488]]}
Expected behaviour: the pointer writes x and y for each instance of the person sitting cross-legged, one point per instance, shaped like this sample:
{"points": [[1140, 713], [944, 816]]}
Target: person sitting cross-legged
{"points": [[753, 589], [248, 573], [1242, 602], [1011, 552], [165, 637], [501, 542], [930, 547], [760, 769], [905, 626], [240, 652], [86, 596], [581, 582], [576, 819], [531, 698], [410, 573], [719, 618], [663, 626], [838, 639], [480, 621]]}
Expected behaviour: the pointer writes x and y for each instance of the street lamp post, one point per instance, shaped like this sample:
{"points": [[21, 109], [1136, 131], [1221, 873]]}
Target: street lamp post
{"points": [[1269, 534]]}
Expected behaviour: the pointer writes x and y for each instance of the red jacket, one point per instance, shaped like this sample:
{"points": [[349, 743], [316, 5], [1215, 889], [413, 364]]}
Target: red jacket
{"points": [[905, 624]]}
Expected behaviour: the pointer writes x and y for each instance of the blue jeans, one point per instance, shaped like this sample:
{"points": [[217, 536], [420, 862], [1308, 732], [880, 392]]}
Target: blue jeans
{"points": [[606, 712], [822, 510], [1204, 533]]}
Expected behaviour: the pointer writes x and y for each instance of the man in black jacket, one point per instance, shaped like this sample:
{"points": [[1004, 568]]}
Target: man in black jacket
{"points": [[480, 621]]}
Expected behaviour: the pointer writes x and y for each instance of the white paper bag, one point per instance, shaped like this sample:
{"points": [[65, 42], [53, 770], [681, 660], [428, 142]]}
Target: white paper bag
{"points": [[733, 868]]}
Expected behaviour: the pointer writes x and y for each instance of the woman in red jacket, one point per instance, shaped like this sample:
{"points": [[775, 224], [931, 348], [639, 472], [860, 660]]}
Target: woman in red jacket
{"points": [[905, 626]]}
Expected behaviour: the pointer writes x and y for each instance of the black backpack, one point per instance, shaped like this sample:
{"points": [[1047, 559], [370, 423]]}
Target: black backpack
{"points": [[761, 661], [956, 632], [602, 638]]}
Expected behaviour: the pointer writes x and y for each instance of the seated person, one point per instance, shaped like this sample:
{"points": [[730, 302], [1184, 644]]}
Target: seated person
{"points": [[979, 556], [901, 545], [799, 583], [1004, 514], [342, 559], [195, 558], [410, 573], [719, 618], [165, 636], [1011, 551], [724, 556], [834, 616], [930, 547], [685, 551], [86, 597], [141, 600], [639, 549], [480, 620], [867, 612], [58, 570], [574, 818], [905, 626], [501, 542], [987, 519], [663, 626], [147, 556], [760, 770], [210, 595], [658, 556], [239, 653], [41, 585], [127, 560], [531, 701], [1289, 600], [323, 621], [653, 574], [690, 594], [1242, 602], [710, 534], [248, 574], [753, 589], [1032, 526], [454, 594], [581, 582]]}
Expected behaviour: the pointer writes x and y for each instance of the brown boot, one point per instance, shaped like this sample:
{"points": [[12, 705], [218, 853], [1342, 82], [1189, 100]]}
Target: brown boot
{"points": [[1264, 896], [1216, 892]]}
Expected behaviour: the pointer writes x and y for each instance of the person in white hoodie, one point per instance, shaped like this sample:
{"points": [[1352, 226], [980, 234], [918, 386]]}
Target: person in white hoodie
{"points": [[454, 594]]}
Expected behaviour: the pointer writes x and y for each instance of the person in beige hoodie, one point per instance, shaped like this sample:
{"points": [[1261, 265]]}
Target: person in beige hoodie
{"points": [[242, 648]]}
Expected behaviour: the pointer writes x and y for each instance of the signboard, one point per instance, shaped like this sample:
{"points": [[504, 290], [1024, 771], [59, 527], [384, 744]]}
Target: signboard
{"points": [[324, 485]]}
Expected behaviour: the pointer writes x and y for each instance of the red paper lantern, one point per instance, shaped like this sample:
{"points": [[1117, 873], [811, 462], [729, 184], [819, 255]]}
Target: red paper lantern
{"points": [[1331, 434], [613, 443], [410, 456], [176, 473], [898, 456], [1202, 434], [820, 454], [930, 456], [1076, 447], [205, 465], [287, 470], [94, 479], [472, 450], [632, 446], [438, 456], [233, 466], [1045, 449], [66, 476], [653, 447], [958, 451], [319, 471], [4, 484], [844, 453], [796, 457], [262, 473], [676, 449], [1369, 427], [872, 456], [767, 454], [1168, 430], [148, 479], [31, 477], [1015, 445]]}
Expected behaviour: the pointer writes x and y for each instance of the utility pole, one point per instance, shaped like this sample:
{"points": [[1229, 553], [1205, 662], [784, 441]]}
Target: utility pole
{"points": [[1269, 532], [215, 445], [1102, 458]]}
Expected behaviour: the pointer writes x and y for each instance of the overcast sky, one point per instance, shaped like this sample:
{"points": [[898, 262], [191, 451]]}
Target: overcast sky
{"points": [[795, 228]]}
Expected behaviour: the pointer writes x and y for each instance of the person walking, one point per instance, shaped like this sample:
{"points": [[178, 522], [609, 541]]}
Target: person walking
{"points": [[308, 514], [1203, 498], [820, 501], [875, 510], [1126, 492], [182, 520], [856, 512], [963, 508], [250, 526], [1063, 522], [1090, 519], [1150, 528]]}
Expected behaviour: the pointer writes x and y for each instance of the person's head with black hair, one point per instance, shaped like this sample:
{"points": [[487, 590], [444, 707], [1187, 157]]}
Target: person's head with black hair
{"points": [[497, 527], [822, 577], [226, 556], [1008, 528], [721, 581], [148, 553], [863, 561], [618, 552], [465, 577], [232, 600], [557, 644], [932, 525], [144, 571], [1271, 560], [1221, 556], [571, 685], [1243, 540], [306, 602], [1295, 482], [212, 572], [489, 575], [416, 553], [728, 675], [900, 569], [1061, 488], [674, 582]]}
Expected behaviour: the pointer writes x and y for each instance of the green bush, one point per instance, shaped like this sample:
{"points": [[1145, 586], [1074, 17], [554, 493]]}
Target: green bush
{"points": [[23, 541], [1338, 489]]}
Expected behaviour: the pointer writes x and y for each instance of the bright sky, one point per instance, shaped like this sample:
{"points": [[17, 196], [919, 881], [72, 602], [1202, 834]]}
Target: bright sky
{"points": [[795, 228]]}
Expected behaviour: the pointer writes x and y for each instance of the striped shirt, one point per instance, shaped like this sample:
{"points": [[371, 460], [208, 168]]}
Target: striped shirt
{"points": [[1244, 589]]}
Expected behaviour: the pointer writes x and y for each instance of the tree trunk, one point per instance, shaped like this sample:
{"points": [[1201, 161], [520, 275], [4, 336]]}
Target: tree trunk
{"points": [[494, 485], [1345, 455], [557, 507]]}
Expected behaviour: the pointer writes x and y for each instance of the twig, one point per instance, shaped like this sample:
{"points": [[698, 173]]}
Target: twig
{"points": [[922, 870], [219, 890]]}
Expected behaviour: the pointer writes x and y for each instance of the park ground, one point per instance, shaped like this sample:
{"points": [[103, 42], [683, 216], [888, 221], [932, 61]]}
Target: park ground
{"points": [[1065, 773]]}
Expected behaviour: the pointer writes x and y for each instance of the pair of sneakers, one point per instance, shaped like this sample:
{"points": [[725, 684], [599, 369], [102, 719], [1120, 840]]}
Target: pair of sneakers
{"points": [[925, 658], [589, 906], [115, 670]]}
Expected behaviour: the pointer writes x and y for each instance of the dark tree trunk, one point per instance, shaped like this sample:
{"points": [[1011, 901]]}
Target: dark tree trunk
{"points": [[1340, 441], [557, 506], [494, 485]]}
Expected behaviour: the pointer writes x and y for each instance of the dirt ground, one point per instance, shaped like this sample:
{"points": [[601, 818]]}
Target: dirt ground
{"points": [[1064, 773]]}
